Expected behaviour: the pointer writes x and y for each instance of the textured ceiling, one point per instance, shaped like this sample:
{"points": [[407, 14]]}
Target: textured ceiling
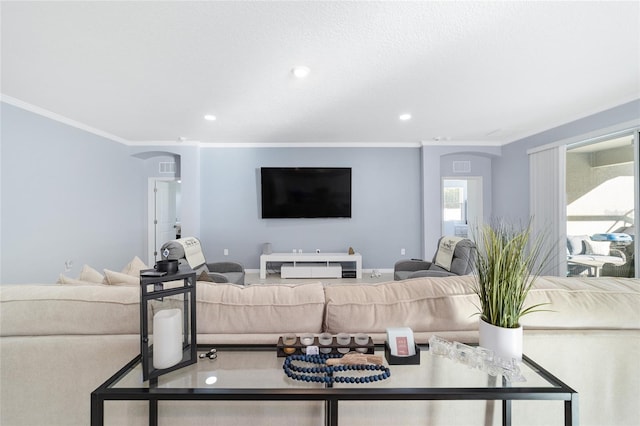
{"points": [[468, 72]]}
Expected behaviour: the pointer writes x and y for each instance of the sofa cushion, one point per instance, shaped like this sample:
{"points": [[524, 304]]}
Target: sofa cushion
{"points": [[584, 303], [41, 310], [423, 304], [259, 308], [449, 304]]}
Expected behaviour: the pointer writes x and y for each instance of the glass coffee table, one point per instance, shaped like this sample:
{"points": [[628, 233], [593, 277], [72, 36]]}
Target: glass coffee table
{"points": [[255, 373]]}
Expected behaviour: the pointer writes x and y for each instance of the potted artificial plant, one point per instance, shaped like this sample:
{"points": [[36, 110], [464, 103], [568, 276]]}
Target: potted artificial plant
{"points": [[507, 262]]}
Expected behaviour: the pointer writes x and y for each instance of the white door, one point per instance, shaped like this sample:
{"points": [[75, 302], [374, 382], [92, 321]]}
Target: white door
{"points": [[475, 211], [163, 219]]}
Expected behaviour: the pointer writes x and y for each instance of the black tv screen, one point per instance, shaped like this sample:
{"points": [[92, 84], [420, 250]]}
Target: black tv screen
{"points": [[305, 192]]}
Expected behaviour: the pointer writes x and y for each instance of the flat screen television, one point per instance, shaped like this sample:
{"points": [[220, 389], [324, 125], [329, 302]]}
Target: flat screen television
{"points": [[305, 192]]}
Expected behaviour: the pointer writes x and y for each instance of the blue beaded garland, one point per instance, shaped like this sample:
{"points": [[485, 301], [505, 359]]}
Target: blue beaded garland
{"points": [[291, 370]]}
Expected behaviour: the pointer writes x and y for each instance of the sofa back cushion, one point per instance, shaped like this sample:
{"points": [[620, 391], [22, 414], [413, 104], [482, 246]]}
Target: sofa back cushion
{"points": [[41, 310], [37, 310], [584, 303], [423, 304], [259, 308], [449, 304]]}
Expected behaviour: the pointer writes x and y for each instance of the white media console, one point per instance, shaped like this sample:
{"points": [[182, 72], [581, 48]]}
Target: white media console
{"points": [[310, 265]]}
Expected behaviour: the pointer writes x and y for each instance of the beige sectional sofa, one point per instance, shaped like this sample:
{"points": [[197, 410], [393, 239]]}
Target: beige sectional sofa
{"points": [[59, 342]]}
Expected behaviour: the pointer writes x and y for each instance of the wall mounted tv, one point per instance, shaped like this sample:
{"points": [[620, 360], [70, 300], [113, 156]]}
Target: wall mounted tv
{"points": [[305, 192]]}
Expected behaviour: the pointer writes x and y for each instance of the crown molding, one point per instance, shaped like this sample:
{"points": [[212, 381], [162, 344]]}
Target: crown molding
{"points": [[620, 129], [60, 118], [310, 145], [468, 143], [163, 143]]}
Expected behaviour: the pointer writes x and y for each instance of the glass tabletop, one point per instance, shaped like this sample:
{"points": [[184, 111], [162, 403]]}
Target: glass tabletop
{"points": [[254, 367]]}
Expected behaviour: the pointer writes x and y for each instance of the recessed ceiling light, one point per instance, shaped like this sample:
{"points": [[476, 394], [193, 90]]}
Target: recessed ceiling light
{"points": [[300, 71], [210, 117], [405, 117]]}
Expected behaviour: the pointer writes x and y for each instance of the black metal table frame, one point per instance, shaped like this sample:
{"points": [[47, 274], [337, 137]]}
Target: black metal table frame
{"points": [[331, 395]]}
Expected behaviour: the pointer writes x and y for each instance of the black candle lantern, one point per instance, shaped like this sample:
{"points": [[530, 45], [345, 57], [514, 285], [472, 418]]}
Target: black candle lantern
{"points": [[167, 320]]}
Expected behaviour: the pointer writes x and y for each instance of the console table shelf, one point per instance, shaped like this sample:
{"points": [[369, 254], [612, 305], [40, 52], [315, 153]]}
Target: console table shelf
{"points": [[311, 265]]}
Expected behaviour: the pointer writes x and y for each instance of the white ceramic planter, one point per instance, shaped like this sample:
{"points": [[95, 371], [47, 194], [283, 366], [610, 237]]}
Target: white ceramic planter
{"points": [[504, 342]]}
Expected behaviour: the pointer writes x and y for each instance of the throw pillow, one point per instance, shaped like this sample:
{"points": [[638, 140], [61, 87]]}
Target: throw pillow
{"points": [[204, 277], [574, 243], [597, 248], [62, 279], [134, 267], [91, 275], [118, 278], [446, 250]]}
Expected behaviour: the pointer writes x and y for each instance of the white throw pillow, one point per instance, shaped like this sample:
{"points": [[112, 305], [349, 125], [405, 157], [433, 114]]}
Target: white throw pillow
{"points": [[575, 242], [62, 279], [134, 267], [91, 275], [597, 248], [118, 278]]}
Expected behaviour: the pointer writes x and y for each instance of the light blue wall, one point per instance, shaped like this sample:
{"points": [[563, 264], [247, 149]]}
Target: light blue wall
{"points": [[511, 173], [386, 195], [66, 195], [188, 157], [481, 166], [436, 163]]}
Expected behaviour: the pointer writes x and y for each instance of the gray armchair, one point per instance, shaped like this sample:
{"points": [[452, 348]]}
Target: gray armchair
{"points": [[219, 272], [461, 264]]}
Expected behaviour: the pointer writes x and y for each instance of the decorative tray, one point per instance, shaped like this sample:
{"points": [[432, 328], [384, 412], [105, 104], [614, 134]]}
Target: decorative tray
{"points": [[298, 347]]}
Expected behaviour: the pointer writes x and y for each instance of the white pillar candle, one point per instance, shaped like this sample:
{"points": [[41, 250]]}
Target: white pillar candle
{"points": [[167, 338]]}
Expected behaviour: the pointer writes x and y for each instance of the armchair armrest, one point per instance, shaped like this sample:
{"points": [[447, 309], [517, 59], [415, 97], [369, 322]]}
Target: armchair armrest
{"points": [[618, 253], [218, 278], [411, 265]]}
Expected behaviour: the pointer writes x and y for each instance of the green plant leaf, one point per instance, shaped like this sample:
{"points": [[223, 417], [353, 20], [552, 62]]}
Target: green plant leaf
{"points": [[507, 262]]}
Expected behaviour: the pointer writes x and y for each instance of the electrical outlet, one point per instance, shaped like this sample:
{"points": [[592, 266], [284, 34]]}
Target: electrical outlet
{"points": [[68, 264], [403, 252], [226, 252]]}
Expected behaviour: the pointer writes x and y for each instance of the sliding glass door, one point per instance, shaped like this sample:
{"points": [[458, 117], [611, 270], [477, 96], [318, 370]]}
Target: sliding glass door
{"points": [[601, 196]]}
